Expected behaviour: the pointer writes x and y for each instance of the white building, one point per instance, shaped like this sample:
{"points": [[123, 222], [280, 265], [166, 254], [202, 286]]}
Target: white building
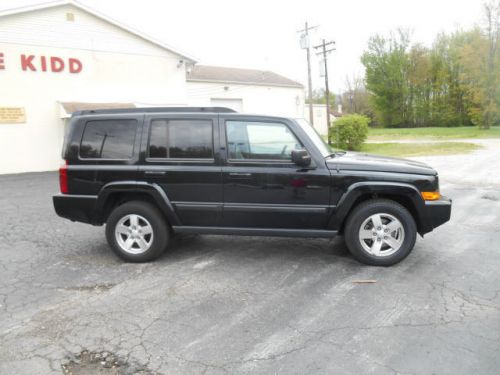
{"points": [[319, 117], [61, 56], [245, 90]]}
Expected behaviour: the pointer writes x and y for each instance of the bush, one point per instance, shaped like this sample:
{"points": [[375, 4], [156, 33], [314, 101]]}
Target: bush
{"points": [[351, 131]]}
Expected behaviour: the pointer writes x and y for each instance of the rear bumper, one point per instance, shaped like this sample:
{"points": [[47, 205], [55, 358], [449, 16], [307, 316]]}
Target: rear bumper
{"points": [[80, 208], [436, 213]]}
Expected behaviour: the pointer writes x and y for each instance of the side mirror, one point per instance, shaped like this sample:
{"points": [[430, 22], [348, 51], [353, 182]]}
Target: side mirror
{"points": [[301, 158]]}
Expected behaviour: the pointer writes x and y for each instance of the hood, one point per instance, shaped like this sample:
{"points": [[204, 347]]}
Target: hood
{"points": [[356, 161]]}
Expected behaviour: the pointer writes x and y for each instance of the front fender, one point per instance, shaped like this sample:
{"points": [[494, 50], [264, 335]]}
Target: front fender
{"points": [[373, 188]]}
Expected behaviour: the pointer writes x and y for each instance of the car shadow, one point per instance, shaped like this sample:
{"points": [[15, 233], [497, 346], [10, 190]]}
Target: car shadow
{"points": [[183, 247]]}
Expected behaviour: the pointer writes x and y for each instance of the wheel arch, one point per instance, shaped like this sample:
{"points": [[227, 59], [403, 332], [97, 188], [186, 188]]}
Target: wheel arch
{"points": [[117, 193], [405, 194]]}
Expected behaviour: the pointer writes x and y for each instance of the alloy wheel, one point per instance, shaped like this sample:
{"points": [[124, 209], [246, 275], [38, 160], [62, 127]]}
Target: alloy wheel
{"points": [[381, 234], [134, 234]]}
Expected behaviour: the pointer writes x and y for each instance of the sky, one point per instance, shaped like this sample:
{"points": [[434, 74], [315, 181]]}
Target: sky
{"points": [[262, 34]]}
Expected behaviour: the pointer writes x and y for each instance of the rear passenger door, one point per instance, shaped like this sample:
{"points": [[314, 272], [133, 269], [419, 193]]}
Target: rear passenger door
{"points": [[180, 154]]}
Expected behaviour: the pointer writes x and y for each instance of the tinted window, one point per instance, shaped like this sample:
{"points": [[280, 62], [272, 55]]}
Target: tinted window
{"points": [[108, 139], [260, 140], [181, 139]]}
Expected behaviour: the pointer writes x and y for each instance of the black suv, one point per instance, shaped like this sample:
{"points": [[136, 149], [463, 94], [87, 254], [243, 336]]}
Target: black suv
{"points": [[149, 173]]}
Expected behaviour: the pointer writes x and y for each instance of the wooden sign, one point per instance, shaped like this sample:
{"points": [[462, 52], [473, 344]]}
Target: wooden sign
{"points": [[12, 115]]}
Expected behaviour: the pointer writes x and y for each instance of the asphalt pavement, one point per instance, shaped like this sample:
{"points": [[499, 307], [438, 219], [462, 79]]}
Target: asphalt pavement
{"points": [[226, 304]]}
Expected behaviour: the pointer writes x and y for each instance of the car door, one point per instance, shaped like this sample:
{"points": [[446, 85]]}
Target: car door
{"points": [[262, 187], [180, 154]]}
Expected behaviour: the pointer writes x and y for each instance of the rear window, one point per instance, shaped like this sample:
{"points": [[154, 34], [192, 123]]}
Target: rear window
{"points": [[108, 139], [181, 139]]}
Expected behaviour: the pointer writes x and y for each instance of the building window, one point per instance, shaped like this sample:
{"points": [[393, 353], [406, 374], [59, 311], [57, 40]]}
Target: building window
{"points": [[181, 139], [70, 17], [247, 140], [108, 139]]}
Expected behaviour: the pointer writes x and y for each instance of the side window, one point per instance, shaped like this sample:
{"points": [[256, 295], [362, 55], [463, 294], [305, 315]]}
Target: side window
{"points": [[248, 140], [108, 139], [181, 139]]}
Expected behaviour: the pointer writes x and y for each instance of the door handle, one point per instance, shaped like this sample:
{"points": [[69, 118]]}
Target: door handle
{"points": [[157, 173]]}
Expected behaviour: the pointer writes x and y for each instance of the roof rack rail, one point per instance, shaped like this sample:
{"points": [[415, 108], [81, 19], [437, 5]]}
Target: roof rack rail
{"points": [[154, 110]]}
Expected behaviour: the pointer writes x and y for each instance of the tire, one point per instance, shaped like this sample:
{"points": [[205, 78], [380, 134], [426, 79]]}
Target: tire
{"points": [[380, 232], [137, 231]]}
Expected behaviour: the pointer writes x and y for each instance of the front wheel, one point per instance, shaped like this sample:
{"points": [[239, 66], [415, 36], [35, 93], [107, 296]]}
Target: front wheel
{"points": [[380, 232], [137, 231]]}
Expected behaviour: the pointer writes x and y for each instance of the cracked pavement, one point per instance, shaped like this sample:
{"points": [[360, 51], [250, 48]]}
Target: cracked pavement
{"points": [[216, 305]]}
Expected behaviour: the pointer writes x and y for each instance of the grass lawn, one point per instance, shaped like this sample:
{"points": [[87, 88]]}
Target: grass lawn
{"points": [[419, 149], [380, 134]]}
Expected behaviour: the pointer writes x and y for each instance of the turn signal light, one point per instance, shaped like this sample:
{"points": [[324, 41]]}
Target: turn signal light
{"points": [[431, 195]]}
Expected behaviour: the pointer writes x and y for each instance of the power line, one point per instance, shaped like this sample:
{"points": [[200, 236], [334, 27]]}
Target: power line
{"points": [[324, 51], [305, 44]]}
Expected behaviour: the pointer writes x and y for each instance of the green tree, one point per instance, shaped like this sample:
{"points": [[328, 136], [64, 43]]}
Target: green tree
{"points": [[481, 75], [419, 87], [387, 63], [356, 99], [449, 104], [492, 91], [455, 82]]}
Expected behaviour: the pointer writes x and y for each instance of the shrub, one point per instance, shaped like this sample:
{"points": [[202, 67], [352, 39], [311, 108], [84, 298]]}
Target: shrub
{"points": [[349, 132]]}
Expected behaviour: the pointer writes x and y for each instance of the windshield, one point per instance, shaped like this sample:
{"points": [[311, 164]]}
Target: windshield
{"points": [[315, 137]]}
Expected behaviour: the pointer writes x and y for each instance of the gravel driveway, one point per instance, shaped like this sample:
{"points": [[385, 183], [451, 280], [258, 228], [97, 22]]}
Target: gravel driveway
{"points": [[251, 305]]}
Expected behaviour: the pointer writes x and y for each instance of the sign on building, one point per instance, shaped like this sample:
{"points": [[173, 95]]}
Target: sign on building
{"points": [[12, 115]]}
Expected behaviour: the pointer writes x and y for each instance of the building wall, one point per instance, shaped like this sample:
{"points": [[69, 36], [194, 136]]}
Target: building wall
{"points": [[319, 118], [50, 27], [269, 100], [117, 66]]}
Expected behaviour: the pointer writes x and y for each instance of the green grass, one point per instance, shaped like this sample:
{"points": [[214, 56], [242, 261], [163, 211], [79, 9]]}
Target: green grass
{"points": [[419, 149], [381, 134]]}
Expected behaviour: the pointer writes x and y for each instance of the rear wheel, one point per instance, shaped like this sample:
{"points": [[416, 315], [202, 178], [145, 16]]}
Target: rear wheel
{"points": [[380, 232], [137, 231]]}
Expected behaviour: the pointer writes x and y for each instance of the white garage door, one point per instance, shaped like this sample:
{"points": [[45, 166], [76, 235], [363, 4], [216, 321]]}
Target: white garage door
{"points": [[236, 104]]}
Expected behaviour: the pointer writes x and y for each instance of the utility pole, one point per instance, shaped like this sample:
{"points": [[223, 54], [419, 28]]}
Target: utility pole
{"points": [[324, 51], [305, 44]]}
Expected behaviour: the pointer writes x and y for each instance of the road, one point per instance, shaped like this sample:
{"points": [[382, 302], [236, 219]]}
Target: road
{"points": [[215, 305]]}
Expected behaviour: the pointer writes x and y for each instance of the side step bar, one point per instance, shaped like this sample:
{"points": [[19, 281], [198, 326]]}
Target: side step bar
{"points": [[270, 232]]}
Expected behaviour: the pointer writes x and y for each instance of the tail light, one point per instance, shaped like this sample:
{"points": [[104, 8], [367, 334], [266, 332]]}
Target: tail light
{"points": [[63, 178]]}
